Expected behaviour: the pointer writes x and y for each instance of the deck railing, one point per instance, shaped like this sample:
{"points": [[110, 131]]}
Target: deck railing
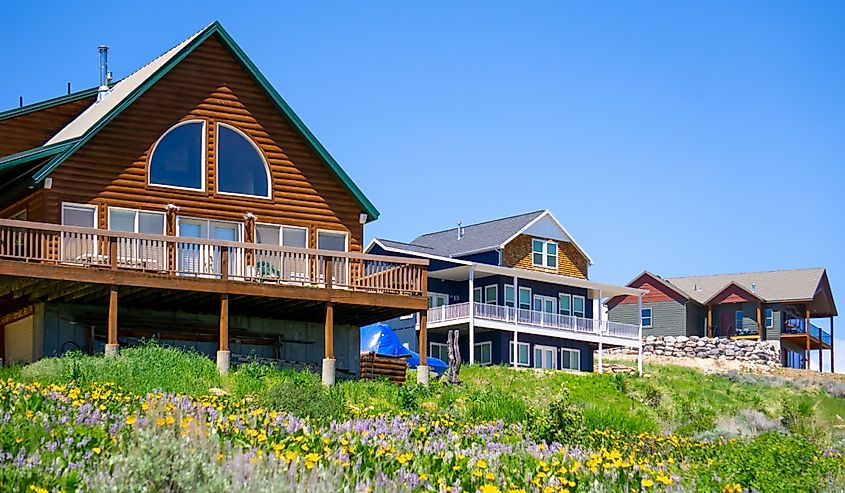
{"points": [[499, 313], [214, 259], [799, 326]]}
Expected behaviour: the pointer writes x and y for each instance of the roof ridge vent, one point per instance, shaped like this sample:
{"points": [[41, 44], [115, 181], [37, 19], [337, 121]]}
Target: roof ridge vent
{"points": [[105, 75], [460, 230]]}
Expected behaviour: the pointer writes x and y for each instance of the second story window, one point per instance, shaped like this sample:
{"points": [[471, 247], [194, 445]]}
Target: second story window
{"points": [[770, 318], [646, 317], [178, 158], [241, 168], [544, 253]]}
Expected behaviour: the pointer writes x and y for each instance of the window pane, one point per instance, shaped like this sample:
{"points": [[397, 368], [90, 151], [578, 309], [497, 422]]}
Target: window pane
{"points": [[538, 358], [151, 223], [538, 305], [490, 295], [538, 259], [486, 357], [551, 261], [226, 232], [524, 298], [578, 306], [551, 249], [565, 302], [330, 241], [121, 220], [537, 246], [78, 216], [267, 235], [298, 238], [476, 295], [240, 166], [177, 158], [510, 296], [523, 354]]}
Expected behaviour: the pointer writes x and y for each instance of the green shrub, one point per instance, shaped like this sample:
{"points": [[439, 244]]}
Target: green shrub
{"points": [[141, 369], [303, 394], [492, 404], [251, 378], [561, 421]]}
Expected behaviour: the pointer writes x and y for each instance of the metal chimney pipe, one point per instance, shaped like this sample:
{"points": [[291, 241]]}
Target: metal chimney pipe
{"points": [[104, 72]]}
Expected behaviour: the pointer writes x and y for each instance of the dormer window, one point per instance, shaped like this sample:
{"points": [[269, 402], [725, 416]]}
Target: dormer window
{"points": [[544, 253], [241, 168], [178, 158]]}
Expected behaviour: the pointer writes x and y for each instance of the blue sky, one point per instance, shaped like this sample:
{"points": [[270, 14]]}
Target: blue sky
{"points": [[683, 138]]}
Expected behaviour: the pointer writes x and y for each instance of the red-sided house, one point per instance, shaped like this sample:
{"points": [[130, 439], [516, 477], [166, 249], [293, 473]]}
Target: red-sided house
{"points": [[775, 306]]}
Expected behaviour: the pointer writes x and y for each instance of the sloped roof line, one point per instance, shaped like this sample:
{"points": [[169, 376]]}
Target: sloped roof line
{"points": [[728, 285], [48, 103], [141, 80], [39, 152], [482, 223], [548, 213], [663, 282], [746, 273]]}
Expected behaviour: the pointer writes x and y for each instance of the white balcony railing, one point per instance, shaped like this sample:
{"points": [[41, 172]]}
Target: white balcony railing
{"points": [[531, 318]]}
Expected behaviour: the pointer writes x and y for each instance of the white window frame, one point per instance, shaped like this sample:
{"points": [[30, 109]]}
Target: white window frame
{"points": [[441, 347], [96, 239], [542, 349], [650, 317], [137, 215], [479, 360], [495, 299], [583, 304], [769, 315], [543, 299], [344, 259], [561, 296], [577, 358], [477, 295], [437, 296], [512, 354], [513, 291], [269, 195], [544, 250], [530, 298], [281, 228], [203, 166], [233, 262]]}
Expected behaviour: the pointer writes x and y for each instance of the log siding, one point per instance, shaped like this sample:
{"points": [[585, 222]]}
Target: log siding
{"points": [[111, 169]]}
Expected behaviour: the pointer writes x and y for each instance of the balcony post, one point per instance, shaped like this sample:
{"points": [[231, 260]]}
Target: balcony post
{"points": [[640, 338], [601, 343], [328, 359], [223, 354], [709, 321], [807, 338], [831, 344], [423, 370], [515, 319], [471, 315], [759, 323], [111, 345]]}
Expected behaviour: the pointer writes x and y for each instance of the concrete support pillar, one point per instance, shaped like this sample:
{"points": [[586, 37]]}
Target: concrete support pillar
{"points": [[329, 371], [111, 345], [423, 374], [422, 367], [328, 359], [223, 360]]}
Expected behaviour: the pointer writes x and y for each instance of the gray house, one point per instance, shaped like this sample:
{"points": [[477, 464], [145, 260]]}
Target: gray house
{"points": [[776, 306]]}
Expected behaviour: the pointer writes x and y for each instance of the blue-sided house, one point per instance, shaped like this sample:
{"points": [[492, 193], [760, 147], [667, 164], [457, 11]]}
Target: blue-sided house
{"points": [[517, 289]]}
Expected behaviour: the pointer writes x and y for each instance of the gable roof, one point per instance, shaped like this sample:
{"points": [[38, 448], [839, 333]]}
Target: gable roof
{"points": [[126, 91], [476, 238], [49, 103], [733, 284], [773, 286]]}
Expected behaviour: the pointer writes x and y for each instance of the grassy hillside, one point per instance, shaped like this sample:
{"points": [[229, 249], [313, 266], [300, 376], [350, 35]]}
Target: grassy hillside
{"points": [[503, 429]]}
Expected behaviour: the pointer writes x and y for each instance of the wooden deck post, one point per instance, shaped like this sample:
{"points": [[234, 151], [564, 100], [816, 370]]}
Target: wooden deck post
{"points": [[709, 321], [759, 323], [111, 345], [831, 345], [223, 353], [807, 339], [423, 370], [328, 358]]}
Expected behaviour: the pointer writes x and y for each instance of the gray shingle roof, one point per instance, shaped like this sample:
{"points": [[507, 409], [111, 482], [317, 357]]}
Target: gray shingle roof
{"points": [[476, 237], [772, 286]]}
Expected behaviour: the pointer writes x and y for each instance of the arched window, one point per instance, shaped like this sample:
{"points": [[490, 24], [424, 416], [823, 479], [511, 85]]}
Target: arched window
{"points": [[241, 168], [178, 157]]}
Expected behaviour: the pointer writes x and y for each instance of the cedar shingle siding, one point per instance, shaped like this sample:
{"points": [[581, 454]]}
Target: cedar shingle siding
{"points": [[570, 262]]}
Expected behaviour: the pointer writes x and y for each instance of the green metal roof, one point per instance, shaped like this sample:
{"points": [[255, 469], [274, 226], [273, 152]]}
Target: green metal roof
{"points": [[49, 103], [216, 29], [34, 154]]}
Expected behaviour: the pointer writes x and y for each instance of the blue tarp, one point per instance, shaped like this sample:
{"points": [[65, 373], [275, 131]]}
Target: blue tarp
{"points": [[380, 339]]}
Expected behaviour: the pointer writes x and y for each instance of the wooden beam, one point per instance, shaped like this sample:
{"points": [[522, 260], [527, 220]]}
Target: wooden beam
{"points": [[759, 323], [807, 331], [329, 335], [709, 321], [423, 349], [112, 338], [224, 322], [202, 285]]}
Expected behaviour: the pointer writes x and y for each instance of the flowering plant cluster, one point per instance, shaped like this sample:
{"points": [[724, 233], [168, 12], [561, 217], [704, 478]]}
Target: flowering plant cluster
{"points": [[59, 438]]}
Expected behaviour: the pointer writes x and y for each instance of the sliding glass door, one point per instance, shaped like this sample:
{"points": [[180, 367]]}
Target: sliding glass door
{"points": [[205, 260]]}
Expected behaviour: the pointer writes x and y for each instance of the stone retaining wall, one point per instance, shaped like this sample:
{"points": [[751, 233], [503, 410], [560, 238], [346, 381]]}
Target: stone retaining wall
{"points": [[750, 351]]}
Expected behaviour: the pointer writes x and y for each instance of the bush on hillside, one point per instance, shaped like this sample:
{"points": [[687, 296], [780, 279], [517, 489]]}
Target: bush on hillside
{"points": [[141, 369], [303, 394]]}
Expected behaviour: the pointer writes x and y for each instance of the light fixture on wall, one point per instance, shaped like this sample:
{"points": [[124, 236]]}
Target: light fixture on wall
{"points": [[171, 207], [249, 216], [362, 218]]}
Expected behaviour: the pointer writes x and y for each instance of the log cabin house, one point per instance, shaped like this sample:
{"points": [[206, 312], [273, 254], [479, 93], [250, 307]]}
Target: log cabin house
{"points": [[187, 202]]}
